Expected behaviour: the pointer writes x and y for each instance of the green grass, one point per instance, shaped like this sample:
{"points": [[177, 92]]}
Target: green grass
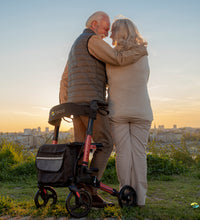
{"points": [[168, 199], [173, 184]]}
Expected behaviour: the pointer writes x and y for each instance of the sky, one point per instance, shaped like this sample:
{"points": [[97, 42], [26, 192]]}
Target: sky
{"points": [[36, 37]]}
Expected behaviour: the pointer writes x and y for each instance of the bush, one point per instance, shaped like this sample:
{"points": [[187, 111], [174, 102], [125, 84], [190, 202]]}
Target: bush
{"points": [[197, 160], [180, 153], [156, 166], [16, 162], [163, 166], [24, 169], [110, 174]]}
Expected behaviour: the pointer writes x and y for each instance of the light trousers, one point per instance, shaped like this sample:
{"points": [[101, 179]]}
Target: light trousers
{"points": [[130, 138]]}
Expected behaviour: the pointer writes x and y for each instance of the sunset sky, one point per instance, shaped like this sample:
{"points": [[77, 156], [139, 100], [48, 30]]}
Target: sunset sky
{"points": [[36, 36]]}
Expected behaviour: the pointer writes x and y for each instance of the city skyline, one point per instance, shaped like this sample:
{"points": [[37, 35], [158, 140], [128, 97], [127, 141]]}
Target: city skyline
{"points": [[50, 128], [36, 37]]}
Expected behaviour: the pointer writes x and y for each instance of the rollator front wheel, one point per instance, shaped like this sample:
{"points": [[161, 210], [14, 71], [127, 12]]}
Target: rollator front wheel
{"points": [[78, 207], [127, 197], [44, 195]]}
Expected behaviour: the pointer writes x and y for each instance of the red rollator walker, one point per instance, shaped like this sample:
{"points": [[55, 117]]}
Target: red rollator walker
{"points": [[66, 165]]}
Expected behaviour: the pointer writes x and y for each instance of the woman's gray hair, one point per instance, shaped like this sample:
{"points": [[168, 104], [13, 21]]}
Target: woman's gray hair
{"points": [[97, 16], [126, 33]]}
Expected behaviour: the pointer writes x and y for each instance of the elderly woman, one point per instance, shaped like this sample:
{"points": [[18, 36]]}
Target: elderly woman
{"points": [[130, 110]]}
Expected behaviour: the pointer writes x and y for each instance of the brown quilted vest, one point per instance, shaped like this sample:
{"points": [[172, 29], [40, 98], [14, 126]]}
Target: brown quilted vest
{"points": [[86, 74]]}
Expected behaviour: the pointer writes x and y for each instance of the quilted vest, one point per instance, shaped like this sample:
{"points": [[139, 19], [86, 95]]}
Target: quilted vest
{"points": [[86, 74]]}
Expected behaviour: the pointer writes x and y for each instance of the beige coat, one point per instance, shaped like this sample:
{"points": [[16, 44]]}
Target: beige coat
{"points": [[128, 95]]}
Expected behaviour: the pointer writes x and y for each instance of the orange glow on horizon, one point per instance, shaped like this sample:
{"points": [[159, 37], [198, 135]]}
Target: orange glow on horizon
{"points": [[12, 123]]}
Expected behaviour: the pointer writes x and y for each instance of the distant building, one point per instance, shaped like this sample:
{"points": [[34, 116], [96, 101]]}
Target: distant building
{"points": [[174, 126], [161, 127], [64, 135], [153, 133], [27, 131], [34, 131], [47, 130], [165, 135]]}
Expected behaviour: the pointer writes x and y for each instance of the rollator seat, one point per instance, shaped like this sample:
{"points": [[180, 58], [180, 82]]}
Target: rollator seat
{"points": [[75, 109]]}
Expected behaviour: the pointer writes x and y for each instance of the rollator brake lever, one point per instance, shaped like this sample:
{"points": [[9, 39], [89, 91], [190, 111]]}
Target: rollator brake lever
{"points": [[103, 111]]}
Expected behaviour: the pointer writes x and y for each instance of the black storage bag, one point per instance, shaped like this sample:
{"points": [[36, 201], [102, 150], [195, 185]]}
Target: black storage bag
{"points": [[55, 163]]}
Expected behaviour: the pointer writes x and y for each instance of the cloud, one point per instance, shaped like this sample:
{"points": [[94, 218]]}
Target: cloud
{"points": [[170, 112], [42, 108], [158, 86], [25, 113], [162, 99]]}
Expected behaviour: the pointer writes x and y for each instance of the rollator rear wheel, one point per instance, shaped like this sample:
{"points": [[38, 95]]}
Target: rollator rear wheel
{"points": [[45, 195], [78, 208], [127, 196]]}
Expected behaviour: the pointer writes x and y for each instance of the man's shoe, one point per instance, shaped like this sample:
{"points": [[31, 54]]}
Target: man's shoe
{"points": [[98, 202]]}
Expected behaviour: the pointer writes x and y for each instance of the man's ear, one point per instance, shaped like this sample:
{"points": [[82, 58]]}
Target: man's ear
{"points": [[94, 24]]}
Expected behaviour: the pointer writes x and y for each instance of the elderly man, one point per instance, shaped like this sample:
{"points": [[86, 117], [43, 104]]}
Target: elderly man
{"points": [[84, 80]]}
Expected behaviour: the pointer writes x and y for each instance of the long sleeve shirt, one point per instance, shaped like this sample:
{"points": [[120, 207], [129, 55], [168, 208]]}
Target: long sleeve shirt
{"points": [[105, 53]]}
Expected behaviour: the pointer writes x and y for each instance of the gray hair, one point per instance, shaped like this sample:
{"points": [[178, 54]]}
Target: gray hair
{"points": [[97, 16], [126, 33]]}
